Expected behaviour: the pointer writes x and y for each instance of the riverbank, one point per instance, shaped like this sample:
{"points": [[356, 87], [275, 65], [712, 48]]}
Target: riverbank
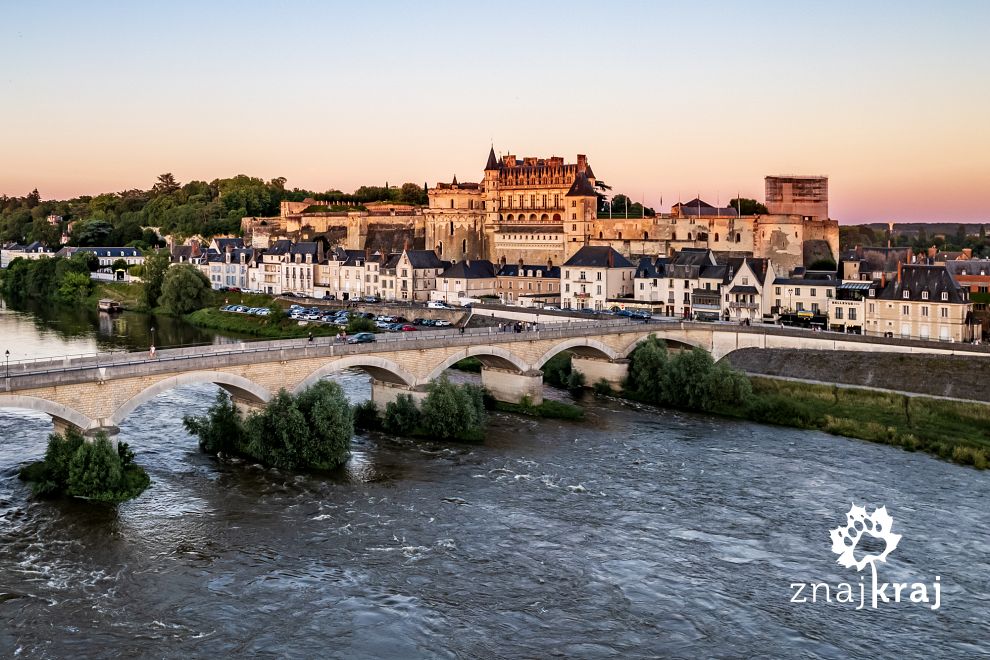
{"points": [[951, 430], [257, 326]]}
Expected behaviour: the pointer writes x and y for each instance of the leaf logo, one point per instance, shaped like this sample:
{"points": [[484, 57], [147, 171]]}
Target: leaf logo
{"points": [[877, 525]]}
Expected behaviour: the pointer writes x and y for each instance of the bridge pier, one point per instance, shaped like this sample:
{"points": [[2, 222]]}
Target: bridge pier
{"points": [[595, 369], [383, 393], [246, 406], [511, 386]]}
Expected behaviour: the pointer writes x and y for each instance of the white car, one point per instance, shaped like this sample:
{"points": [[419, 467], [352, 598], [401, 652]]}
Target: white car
{"points": [[437, 304], [440, 323]]}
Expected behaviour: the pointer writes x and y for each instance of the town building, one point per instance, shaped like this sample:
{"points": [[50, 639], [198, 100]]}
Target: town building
{"points": [[299, 266], [411, 275], [594, 276], [466, 279], [32, 251], [649, 281], [746, 296], [847, 309], [528, 285], [107, 255], [922, 302]]}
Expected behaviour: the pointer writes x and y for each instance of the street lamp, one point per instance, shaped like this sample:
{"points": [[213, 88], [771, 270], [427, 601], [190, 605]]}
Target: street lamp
{"points": [[6, 360], [152, 339]]}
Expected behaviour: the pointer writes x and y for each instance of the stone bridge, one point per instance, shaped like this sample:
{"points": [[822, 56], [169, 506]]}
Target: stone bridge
{"points": [[97, 392]]}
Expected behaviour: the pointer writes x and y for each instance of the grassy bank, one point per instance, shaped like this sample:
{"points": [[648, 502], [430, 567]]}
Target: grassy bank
{"points": [[258, 326], [549, 409], [951, 430]]}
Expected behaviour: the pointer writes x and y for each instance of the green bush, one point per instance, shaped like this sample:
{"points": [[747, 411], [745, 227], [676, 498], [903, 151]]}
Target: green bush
{"points": [[91, 470], [470, 365], [453, 412], [602, 387], [366, 416], [557, 369], [310, 431], [401, 416], [575, 381]]}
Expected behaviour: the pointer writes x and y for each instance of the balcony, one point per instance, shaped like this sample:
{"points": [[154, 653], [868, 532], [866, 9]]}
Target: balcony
{"points": [[743, 305]]}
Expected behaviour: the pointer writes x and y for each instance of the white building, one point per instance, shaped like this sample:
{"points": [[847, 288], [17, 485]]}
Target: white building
{"points": [[593, 276]]}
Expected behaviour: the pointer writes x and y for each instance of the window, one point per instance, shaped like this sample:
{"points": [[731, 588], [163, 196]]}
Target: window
{"points": [[944, 312], [814, 307], [906, 310], [573, 203], [745, 281], [573, 227], [778, 290], [814, 292], [573, 216], [797, 291], [582, 277], [873, 293], [924, 310], [924, 295], [872, 310], [838, 313], [906, 294], [852, 313], [945, 295], [600, 276]]}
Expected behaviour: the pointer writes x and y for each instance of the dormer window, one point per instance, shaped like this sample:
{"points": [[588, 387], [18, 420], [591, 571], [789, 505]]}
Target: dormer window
{"points": [[906, 294], [945, 295], [924, 295], [873, 293]]}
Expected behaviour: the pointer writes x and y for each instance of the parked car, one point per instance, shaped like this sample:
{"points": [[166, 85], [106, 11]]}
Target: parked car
{"points": [[382, 324], [408, 328], [441, 323], [395, 327], [225, 308], [624, 312], [436, 304], [551, 308], [370, 299], [361, 338]]}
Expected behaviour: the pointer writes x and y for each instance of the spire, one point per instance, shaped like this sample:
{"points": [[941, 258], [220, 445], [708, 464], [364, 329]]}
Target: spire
{"points": [[492, 161], [454, 182]]}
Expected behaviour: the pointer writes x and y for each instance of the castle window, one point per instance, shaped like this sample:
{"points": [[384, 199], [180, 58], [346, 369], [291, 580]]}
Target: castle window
{"points": [[451, 228], [689, 236], [601, 235], [716, 238], [464, 246], [646, 235], [738, 237], [451, 203]]}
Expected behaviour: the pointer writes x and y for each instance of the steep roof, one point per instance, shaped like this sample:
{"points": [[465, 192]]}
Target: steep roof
{"points": [[699, 208], [281, 246], [581, 187], [471, 269], [933, 280], [424, 259], [598, 256], [492, 161], [650, 268]]}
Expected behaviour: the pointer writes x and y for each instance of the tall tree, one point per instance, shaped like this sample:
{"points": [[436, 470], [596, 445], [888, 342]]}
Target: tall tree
{"points": [[166, 184]]}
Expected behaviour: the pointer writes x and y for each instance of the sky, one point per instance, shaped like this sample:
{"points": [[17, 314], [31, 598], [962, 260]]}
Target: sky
{"points": [[668, 100]]}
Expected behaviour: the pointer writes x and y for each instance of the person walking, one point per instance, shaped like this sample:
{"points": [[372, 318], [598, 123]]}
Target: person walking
{"points": [[311, 336]]}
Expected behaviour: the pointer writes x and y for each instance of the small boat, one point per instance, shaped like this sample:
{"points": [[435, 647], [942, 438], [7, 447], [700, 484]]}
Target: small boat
{"points": [[110, 306]]}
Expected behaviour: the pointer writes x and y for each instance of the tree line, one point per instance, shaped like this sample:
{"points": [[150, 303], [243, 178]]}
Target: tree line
{"points": [[137, 218]]}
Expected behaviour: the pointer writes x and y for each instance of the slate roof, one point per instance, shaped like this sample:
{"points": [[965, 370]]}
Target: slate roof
{"points": [[581, 187], [424, 259], [598, 256], [304, 248], [801, 281], [650, 268], [689, 262], [699, 208], [118, 252], [471, 269], [916, 279], [969, 267], [493, 163], [743, 289], [224, 243], [280, 247], [512, 270]]}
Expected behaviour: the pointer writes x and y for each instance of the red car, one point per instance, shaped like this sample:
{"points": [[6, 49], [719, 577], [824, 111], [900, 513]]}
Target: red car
{"points": [[408, 328]]}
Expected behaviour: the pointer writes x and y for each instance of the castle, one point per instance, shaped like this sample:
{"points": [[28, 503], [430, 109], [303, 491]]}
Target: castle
{"points": [[541, 210]]}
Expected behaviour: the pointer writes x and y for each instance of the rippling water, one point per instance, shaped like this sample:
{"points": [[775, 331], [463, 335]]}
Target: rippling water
{"points": [[637, 533]]}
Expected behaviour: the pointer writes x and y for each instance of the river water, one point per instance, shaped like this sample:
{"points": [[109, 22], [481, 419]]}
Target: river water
{"points": [[637, 533]]}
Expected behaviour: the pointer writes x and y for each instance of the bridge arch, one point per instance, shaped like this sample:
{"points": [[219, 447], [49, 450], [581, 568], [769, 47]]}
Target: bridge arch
{"points": [[238, 386], [377, 367], [490, 356], [581, 346], [58, 411]]}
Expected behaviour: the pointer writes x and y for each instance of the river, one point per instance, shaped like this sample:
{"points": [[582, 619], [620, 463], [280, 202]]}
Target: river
{"points": [[637, 533]]}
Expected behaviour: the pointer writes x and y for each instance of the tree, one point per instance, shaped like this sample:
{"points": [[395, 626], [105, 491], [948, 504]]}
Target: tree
{"points": [[156, 263], [449, 411], [401, 415], [119, 264], [359, 324], [330, 421], [95, 471], [274, 435], [166, 184], [74, 287], [91, 233], [184, 289], [746, 206], [221, 429]]}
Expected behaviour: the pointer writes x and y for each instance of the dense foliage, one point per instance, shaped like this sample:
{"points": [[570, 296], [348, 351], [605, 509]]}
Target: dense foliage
{"points": [[184, 289], [310, 431], [56, 278], [91, 470], [558, 372], [448, 412], [919, 237], [690, 379], [139, 217]]}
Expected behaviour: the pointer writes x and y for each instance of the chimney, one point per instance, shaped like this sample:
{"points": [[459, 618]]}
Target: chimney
{"points": [[501, 260], [899, 264], [582, 163], [405, 245], [549, 264], [611, 259], [521, 264], [367, 254]]}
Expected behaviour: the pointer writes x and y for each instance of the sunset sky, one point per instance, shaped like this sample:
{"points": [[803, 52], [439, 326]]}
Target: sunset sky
{"points": [[890, 99]]}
